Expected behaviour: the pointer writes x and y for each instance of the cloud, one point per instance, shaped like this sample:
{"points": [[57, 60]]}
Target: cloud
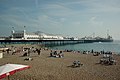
{"points": [[94, 22], [63, 19], [106, 7], [48, 22], [77, 23], [96, 6], [56, 10]]}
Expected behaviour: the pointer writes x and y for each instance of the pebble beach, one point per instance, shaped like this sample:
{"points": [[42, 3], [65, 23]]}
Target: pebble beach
{"points": [[44, 67]]}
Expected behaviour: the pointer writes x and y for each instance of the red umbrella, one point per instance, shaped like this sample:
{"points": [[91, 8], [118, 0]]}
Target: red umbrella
{"points": [[9, 69]]}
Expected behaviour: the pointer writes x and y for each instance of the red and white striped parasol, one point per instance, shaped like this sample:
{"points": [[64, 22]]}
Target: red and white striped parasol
{"points": [[9, 69]]}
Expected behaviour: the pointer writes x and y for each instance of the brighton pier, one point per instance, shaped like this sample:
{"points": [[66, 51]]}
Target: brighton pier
{"points": [[22, 37]]}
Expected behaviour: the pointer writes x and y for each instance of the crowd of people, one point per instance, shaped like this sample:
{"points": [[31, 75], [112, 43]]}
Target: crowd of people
{"points": [[56, 54], [26, 51]]}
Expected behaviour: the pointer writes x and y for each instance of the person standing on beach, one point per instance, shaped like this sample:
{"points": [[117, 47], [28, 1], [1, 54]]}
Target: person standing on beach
{"points": [[39, 51], [29, 52]]}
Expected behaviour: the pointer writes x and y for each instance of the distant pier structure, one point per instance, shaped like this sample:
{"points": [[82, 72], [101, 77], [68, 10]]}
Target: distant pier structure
{"points": [[23, 37]]}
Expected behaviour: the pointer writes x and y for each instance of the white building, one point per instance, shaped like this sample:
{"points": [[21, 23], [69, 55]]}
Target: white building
{"points": [[32, 36], [51, 37]]}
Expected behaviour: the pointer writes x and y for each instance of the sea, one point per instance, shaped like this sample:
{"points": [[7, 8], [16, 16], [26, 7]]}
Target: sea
{"points": [[97, 46]]}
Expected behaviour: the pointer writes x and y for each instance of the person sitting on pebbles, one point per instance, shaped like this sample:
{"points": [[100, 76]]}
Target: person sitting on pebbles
{"points": [[77, 64]]}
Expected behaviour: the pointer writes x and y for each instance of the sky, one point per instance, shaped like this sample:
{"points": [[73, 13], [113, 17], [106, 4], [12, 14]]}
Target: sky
{"points": [[76, 18]]}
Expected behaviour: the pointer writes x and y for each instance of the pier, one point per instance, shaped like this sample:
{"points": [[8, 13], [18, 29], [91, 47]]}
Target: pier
{"points": [[22, 37], [51, 42], [44, 42]]}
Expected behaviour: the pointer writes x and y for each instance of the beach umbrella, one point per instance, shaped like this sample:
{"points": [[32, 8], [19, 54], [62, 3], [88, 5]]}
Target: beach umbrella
{"points": [[9, 69]]}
